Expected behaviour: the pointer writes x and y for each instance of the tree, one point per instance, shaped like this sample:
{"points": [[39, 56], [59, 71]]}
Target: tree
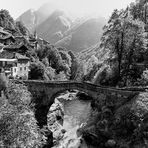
{"points": [[74, 66], [45, 62], [37, 71], [3, 81], [21, 28], [57, 59], [90, 64], [124, 38], [66, 57], [18, 126], [50, 72], [80, 72], [139, 10], [6, 21], [60, 77]]}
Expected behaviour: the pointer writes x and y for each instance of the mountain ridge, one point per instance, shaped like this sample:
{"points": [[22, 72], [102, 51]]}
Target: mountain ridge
{"points": [[59, 28]]}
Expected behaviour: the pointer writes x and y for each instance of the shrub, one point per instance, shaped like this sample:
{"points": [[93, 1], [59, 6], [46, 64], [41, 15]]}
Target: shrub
{"points": [[37, 70], [18, 127]]}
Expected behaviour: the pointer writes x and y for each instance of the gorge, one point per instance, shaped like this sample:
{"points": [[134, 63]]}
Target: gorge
{"points": [[70, 110], [69, 82]]}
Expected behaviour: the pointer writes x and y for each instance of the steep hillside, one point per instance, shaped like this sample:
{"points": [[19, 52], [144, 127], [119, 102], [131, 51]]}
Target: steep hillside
{"points": [[32, 18], [62, 28], [44, 12], [54, 26], [83, 35], [28, 18]]}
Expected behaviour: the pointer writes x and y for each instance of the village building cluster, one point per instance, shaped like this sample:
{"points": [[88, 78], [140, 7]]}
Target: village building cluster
{"points": [[13, 61]]}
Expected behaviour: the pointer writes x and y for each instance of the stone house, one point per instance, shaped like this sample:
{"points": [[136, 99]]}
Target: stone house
{"points": [[22, 68], [14, 65], [7, 65], [18, 48]]}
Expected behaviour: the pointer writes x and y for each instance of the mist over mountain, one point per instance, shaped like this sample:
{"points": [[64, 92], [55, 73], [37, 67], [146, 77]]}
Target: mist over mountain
{"points": [[53, 28], [28, 19], [32, 18], [83, 35], [62, 28]]}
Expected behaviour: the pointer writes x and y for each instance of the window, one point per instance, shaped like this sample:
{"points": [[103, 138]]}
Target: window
{"points": [[14, 69], [20, 68], [24, 68]]}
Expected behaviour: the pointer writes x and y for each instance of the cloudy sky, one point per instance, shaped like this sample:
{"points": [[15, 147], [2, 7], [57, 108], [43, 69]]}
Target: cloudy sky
{"points": [[100, 7]]}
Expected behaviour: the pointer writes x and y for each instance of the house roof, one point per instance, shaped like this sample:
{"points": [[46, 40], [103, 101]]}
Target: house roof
{"points": [[21, 57], [4, 32], [20, 38], [6, 55], [11, 55], [6, 37], [7, 34], [16, 46]]}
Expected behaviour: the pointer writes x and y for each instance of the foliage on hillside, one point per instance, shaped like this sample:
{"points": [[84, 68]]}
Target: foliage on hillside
{"points": [[50, 62], [47, 61], [123, 46], [117, 124], [18, 126], [7, 22]]}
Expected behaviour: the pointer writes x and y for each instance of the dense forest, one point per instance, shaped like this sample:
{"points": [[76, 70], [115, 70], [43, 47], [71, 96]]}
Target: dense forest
{"points": [[120, 59]]}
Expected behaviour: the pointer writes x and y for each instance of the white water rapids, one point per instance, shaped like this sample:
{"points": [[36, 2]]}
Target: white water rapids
{"points": [[76, 113]]}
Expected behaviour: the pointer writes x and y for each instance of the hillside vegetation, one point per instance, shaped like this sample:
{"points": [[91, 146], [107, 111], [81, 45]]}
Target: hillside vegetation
{"points": [[118, 59], [122, 51]]}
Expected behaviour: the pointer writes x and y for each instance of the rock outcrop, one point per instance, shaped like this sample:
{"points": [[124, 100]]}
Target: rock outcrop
{"points": [[65, 117]]}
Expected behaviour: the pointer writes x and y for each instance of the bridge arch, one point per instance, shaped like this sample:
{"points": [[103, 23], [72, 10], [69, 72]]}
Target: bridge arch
{"points": [[58, 93], [44, 93], [42, 110]]}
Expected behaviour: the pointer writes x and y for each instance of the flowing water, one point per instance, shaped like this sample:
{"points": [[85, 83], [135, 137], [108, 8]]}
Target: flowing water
{"points": [[76, 113]]}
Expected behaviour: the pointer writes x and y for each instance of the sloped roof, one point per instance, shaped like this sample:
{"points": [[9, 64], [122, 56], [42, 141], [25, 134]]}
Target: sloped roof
{"points": [[7, 34], [4, 32], [15, 46], [20, 38], [12, 46], [11, 55], [6, 37], [6, 55], [21, 57]]}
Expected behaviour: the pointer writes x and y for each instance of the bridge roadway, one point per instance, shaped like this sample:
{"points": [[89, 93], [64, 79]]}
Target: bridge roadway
{"points": [[82, 86], [45, 92]]}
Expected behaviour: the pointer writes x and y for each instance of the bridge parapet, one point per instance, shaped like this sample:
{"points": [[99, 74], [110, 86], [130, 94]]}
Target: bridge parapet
{"points": [[44, 93], [84, 85]]}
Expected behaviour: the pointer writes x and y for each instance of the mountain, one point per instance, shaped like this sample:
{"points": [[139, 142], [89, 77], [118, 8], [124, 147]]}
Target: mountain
{"points": [[32, 18], [62, 28], [28, 18], [53, 28], [83, 35], [95, 50]]}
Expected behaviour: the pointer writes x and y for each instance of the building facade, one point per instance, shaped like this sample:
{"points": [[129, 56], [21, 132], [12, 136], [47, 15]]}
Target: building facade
{"points": [[21, 71], [17, 66]]}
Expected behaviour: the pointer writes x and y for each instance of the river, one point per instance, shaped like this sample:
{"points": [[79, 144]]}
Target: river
{"points": [[75, 114]]}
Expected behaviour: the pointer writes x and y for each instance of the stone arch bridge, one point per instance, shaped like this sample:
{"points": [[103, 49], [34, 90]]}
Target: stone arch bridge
{"points": [[44, 93]]}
